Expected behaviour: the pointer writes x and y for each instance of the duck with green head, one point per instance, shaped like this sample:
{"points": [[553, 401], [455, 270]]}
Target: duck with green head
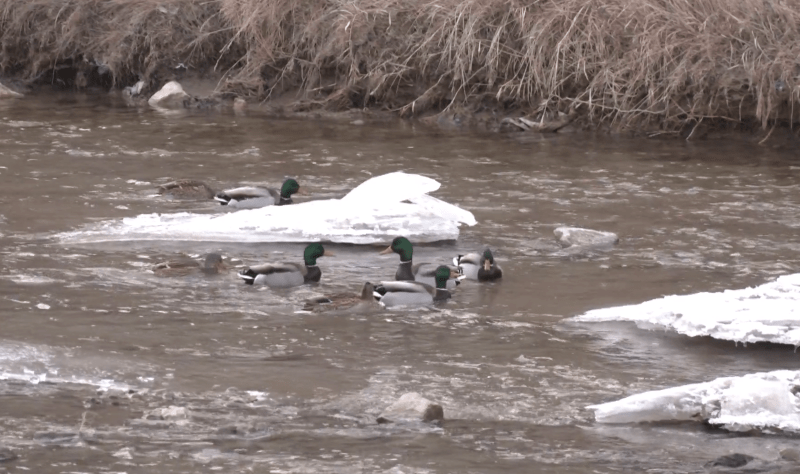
{"points": [[414, 293], [285, 275], [480, 267], [407, 271], [250, 197]]}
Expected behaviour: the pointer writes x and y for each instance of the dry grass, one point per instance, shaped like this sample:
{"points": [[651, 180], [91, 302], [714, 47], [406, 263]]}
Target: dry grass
{"points": [[656, 64]]}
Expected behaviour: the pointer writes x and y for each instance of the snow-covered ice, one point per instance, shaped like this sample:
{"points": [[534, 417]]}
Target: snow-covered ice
{"points": [[377, 210], [770, 313], [766, 400]]}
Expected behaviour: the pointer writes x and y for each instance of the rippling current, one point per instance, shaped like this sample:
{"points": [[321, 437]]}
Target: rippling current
{"points": [[105, 367]]}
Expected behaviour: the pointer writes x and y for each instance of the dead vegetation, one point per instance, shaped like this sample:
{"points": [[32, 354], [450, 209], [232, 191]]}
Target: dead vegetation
{"points": [[663, 65]]}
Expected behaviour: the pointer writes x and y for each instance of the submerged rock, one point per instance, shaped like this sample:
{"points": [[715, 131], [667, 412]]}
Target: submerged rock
{"points": [[171, 96], [731, 460], [171, 413], [576, 236], [7, 455], [789, 454], [412, 407], [5, 92]]}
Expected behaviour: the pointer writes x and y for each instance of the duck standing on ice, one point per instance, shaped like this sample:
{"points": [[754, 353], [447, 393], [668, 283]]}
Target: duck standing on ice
{"points": [[251, 197]]}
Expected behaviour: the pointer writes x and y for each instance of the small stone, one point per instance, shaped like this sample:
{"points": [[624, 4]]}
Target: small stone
{"points": [[135, 89], [434, 412]]}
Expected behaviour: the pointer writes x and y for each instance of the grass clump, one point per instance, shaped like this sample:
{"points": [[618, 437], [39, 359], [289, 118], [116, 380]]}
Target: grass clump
{"points": [[649, 64]]}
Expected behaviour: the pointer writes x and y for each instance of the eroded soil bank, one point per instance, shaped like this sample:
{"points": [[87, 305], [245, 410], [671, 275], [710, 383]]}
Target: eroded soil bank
{"points": [[685, 69]]}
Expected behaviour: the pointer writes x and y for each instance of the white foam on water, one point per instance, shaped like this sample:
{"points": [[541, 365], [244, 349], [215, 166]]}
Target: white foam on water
{"points": [[766, 313], [378, 210], [766, 400]]}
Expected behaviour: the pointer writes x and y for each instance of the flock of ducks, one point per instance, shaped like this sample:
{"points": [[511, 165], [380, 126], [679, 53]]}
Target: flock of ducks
{"points": [[415, 285]]}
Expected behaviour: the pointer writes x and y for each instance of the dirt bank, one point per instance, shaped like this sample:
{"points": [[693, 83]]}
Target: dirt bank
{"points": [[655, 66]]}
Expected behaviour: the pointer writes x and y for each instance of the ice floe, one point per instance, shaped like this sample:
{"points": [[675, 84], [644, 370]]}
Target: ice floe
{"points": [[766, 401], [377, 210], [766, 313]]}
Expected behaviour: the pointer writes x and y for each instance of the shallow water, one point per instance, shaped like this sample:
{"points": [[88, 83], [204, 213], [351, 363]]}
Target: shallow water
{"points": [[271, 389]]}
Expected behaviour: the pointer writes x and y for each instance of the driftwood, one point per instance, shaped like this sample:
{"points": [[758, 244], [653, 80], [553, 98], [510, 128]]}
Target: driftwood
{"points": [[543, 126]]}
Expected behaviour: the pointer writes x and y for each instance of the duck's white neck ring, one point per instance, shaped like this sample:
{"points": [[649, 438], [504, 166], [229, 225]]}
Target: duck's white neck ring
{"points": [[403, 262]]}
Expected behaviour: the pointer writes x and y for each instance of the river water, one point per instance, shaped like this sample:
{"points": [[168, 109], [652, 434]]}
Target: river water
{"points": [[108, 368]]}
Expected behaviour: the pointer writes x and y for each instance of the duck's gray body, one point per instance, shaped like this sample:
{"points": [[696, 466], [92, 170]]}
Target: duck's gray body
{"points": [[186, 189], [281, 275], [250, 197], [408, 293]]}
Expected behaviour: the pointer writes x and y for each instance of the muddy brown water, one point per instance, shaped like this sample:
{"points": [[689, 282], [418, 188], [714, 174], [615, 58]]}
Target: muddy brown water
{"points": [[268, 389]]}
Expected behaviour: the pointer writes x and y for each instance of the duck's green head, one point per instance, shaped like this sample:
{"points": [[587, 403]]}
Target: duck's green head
{"points": [[402, 247], [487, 255], [289, 187], [442, 274], [313, 252]]}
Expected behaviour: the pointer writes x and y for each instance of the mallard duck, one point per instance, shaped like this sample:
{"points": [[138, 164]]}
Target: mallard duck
{"points": [[392, 204], [285, 275], [186, 266], [407, 271], [250, 197], [481, 267], [414, 293], [341, 301], [186, 189]]}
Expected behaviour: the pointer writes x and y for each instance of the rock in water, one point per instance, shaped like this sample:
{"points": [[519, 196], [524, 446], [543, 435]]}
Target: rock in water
{"points": [[412, 407], [7, 455], [790, 454], [5, 92], [731, 460], [576, 236], [171, 96]]}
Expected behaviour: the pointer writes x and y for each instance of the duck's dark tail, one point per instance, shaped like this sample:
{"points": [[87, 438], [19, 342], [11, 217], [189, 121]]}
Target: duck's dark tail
{"points": [[222, 198], [379, 292], [249, 276]]}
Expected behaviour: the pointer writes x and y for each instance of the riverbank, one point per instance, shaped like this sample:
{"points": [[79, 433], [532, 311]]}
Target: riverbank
{"points": [[652, 67]]}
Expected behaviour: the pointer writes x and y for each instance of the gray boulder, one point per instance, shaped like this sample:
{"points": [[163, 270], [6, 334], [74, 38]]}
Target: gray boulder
{"points": [[171, 96], [578, 237], [412, 407]]}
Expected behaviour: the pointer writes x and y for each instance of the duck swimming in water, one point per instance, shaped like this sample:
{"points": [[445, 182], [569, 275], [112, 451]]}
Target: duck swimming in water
{"points": [[285, 275], [414, 293], [250, 197], [407, 271], [343, 301], [481, 267], [182, 267], [186, 189]]}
